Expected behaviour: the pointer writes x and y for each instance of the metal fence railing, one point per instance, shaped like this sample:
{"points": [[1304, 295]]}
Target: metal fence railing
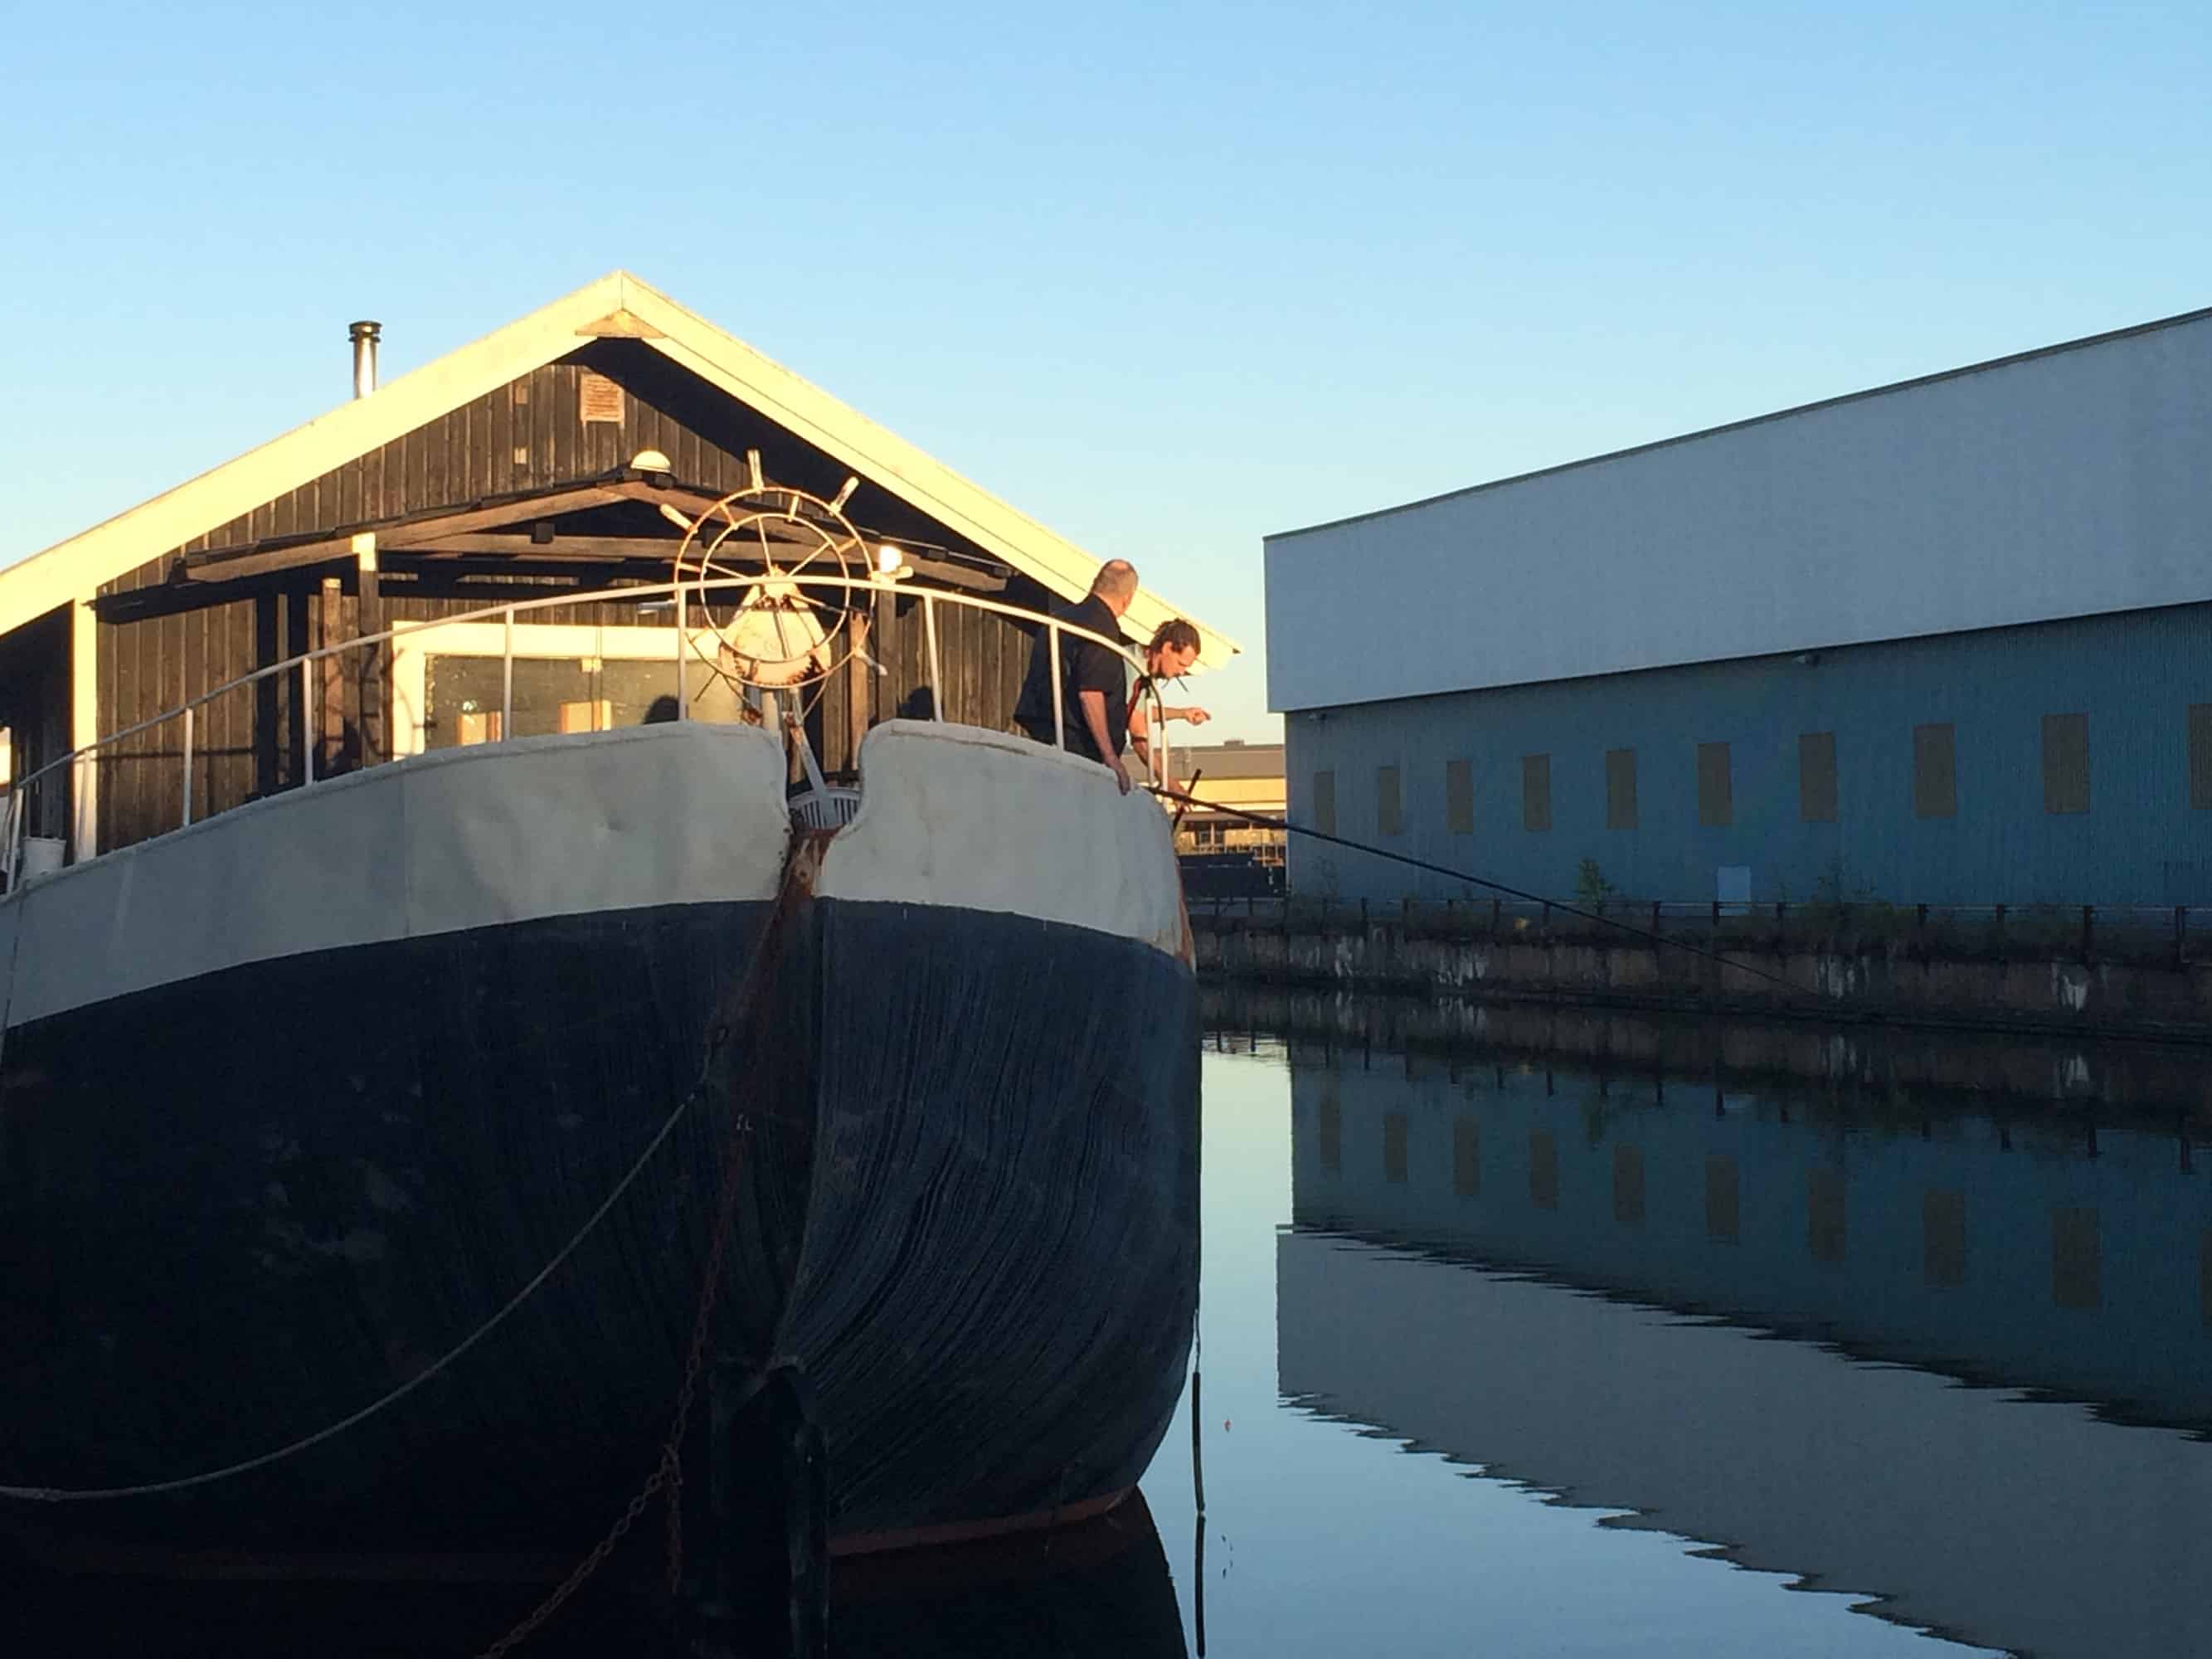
{"points": [[2087, 931], [177, 742]]}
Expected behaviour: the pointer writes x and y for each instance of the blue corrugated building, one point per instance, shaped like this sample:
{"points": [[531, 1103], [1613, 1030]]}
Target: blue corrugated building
{"points": [[1946, 642]]}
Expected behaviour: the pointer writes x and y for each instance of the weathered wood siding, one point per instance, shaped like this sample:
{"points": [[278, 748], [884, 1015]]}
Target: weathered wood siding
{"points": [[34, 707], [529, 433]]}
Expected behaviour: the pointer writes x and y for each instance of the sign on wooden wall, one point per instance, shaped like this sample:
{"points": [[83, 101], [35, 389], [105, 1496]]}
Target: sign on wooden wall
{"points": [[599, 398]]}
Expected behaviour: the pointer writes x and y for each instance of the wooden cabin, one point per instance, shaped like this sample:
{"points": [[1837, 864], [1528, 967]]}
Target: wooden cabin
{"points": [[559, 455]]}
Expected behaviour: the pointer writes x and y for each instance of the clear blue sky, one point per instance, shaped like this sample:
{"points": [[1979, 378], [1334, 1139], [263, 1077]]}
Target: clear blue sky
{"points": [[1166, 276]]}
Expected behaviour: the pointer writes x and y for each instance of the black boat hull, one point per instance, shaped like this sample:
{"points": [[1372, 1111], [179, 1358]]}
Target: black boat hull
{"points": [[965, 1212]]}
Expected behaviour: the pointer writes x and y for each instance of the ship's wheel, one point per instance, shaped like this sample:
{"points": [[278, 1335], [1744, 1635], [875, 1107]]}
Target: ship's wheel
{"points": [[779, 634]]}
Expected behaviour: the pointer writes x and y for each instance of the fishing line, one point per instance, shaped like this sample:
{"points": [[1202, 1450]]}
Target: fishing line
{"points": [[1268, 822]]}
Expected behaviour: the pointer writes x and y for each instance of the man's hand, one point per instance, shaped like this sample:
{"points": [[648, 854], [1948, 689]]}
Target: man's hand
{"points": [[1198, 717], [1121, 775]]}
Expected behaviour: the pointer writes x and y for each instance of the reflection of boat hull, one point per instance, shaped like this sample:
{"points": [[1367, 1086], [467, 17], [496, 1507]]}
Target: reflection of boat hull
{"points": [[1100, 1588], [1095, 1589], [236, 1207]]}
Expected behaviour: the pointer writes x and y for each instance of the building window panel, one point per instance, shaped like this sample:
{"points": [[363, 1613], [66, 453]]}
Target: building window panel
{"points": [[2065, 763], [1724, 1205], [1543, 1169], [1944, 1237], [1715, 796], [1620, 789], [1535, 791], [1394, 1147], [1816, 777], [1628, 1186], [2200, 756], [1324, 802], [1934, 772], [1459, 797], [2076, 1259], [1825, 1228], [1389, 820], [1467, 1159]]}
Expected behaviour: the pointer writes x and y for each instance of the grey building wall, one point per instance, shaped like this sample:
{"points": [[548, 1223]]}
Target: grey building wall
{"points": [[2145, 838], [2073, 481]]}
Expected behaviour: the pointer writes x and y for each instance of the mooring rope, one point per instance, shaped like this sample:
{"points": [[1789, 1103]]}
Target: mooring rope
{"points": [[154, 1488], [1268, 821], [719, 1035]]}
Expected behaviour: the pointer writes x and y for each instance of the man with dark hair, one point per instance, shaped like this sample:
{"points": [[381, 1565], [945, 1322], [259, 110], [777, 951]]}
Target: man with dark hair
{"points": [[1093, 678], [1169, 656]]}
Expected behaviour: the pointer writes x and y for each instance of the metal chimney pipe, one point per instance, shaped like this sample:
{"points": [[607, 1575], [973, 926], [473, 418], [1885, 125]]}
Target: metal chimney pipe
{"points": [[364, 336]]}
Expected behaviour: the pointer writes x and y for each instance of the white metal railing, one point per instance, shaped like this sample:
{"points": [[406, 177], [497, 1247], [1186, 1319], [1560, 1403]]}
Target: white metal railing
{"points": [[18, 799]]}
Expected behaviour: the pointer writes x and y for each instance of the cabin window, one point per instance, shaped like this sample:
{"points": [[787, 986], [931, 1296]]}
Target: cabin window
{"points": [[1716, 792], [1620, 789], [1535, 791], [1324, 802], [447, 690], [464, 698], [1816, 777], [2200, 756], [2065, 763], [1459, 797], [1389, 821], [1934, 772]]}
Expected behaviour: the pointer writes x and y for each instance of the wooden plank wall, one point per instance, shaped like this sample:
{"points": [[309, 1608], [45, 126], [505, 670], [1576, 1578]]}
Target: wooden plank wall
{"points": [[529, 433], [35, 707]]}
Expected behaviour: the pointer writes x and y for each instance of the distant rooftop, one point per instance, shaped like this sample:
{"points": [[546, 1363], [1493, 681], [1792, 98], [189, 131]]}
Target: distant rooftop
{"points": [[1233, 759]]}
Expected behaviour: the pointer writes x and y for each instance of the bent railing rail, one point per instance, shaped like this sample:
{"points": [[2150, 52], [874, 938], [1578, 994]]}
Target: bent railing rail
{"points": [[682, 636]]}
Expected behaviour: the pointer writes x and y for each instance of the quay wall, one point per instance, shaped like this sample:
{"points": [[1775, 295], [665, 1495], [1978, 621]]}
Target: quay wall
{"points": [[2057, 972]]}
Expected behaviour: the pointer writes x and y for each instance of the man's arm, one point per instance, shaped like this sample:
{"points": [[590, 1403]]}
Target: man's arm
{"points": [[1140, 727], [1094, 716], [1194, 714]]}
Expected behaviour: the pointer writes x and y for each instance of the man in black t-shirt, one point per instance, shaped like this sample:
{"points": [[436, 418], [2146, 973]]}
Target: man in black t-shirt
{"points": [[1093, 679]]}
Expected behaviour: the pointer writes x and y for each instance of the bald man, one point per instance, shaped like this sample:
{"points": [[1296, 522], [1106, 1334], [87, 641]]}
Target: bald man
{"points": [[1093, 679]]}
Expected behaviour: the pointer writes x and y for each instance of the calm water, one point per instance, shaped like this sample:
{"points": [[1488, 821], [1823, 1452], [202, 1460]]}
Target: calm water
{"points": [[1513, 1347], [1535, 1333]]}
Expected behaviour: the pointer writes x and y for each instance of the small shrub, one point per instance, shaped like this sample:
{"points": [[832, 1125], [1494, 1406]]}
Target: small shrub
{"points": [[1591, 888]]}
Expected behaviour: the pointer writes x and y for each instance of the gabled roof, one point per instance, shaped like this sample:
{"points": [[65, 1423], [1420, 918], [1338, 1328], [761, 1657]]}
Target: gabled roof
{"points": [[616, 306]]}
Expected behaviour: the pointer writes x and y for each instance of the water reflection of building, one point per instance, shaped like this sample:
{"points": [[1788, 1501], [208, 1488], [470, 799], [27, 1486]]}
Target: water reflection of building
{"points": [[1484, 1201]]}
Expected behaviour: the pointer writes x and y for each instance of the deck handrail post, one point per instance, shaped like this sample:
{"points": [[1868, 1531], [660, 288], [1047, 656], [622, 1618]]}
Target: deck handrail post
{"points": [[1059, 713], [682, 638], [187, 814], [15, 815], [307, 720], [506, 677], [936, 680]]}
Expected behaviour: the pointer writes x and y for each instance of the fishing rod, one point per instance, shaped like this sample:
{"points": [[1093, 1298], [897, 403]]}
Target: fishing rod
{"points": [[1267, 822]]}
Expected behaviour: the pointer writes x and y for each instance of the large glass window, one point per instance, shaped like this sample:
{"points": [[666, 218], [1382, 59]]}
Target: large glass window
{"points": [[463, 696]]}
